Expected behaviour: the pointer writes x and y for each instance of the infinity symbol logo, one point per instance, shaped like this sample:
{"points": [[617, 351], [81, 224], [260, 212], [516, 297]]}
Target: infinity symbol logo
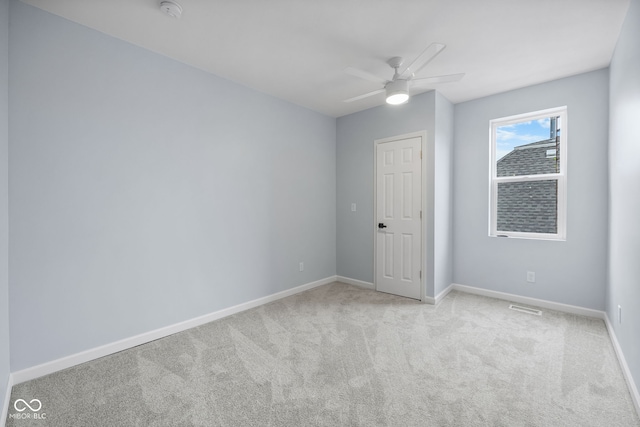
{"points": [[26, 405]]}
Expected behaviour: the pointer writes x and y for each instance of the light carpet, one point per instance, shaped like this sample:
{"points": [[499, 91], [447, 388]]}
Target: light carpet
{"points": [[339, 355]]}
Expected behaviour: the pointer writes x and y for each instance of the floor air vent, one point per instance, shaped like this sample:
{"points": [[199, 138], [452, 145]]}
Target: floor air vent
{"points": [[525, 309]]}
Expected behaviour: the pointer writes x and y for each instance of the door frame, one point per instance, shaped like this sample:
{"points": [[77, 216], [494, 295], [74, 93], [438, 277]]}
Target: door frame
{"points": [[423, 224]]}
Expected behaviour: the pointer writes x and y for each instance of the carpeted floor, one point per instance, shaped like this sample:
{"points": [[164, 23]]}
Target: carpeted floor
{"points": [[343, 356]]}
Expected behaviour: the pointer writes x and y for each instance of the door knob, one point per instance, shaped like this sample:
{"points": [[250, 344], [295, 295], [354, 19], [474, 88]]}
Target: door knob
{"points": [[381, 225]]}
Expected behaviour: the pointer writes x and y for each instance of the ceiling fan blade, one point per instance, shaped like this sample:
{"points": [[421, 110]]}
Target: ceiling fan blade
{"points": [[437, 79], [366, 95], [364, 75], [423, 59]]}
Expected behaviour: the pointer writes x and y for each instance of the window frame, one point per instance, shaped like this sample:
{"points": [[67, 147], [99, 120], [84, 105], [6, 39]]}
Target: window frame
{"points": [[560, 177]]}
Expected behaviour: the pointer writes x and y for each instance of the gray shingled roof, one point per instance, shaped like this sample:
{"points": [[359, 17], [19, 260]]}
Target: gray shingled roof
{"points": [[528, 206]]}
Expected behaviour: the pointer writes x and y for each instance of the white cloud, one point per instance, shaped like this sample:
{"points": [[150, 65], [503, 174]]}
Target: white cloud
{"points": [[513, 138], [506, 140], [544, 123]]}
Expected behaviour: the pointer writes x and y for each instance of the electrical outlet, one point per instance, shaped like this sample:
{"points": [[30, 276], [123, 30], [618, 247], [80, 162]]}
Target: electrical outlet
{"points": [[353, 207], [531, 276], [302, 266]]}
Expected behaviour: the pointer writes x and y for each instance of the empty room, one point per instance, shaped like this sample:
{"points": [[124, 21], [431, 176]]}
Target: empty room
{"points": [[319, 213]]}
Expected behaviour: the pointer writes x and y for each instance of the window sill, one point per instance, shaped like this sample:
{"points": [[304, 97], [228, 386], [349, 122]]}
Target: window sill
{"points": [[534, 237]]}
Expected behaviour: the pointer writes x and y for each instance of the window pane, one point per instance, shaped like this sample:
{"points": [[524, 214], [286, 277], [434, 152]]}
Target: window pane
{"points": [[529, 147], [529, 207]]}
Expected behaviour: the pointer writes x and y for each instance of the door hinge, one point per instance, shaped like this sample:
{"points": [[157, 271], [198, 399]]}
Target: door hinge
{"points": [[420, 214], [421, 274], [420, 153]]}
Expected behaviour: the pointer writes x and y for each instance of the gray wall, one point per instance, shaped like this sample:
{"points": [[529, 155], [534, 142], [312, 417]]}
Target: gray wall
{"points": [[624, 187], [443, 194], [572, 271], [135, 189], [4, 200], [356, 134], [144, 192]]}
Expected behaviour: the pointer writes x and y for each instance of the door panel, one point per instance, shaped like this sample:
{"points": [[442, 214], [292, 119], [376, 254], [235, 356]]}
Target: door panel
{"points": [[398, 204], [407, 195], [388, 255], [407, 257], [388, 196]]}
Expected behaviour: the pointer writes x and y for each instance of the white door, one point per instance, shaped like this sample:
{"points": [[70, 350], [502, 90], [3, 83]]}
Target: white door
{"points": [[398, 217]]}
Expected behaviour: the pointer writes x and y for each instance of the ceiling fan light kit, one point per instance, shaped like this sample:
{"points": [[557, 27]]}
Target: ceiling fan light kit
{"points": [[397, 90]]}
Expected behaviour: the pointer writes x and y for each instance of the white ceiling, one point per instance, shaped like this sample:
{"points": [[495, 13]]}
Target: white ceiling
{"points": [[297, 50]]}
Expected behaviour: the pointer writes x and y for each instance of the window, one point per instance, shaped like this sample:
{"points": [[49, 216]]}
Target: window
{"points": [[528, 175]]}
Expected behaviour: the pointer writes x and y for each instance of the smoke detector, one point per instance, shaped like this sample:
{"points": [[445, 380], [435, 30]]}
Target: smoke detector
{"points": [[171, 8]]}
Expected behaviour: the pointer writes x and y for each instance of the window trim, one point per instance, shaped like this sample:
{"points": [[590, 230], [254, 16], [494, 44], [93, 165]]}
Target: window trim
{"points": [[560, 177]]}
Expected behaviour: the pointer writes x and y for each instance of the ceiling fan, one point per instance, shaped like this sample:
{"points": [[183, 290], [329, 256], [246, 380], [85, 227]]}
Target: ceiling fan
{"points": [[397, 89]]}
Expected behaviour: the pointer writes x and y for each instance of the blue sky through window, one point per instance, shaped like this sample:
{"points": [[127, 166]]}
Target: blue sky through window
{"points": [[522, 133]]}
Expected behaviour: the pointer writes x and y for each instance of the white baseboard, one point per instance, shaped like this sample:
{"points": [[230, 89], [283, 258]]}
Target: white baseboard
{"points": [[368, 285], [429, 300], [635, 396], [356, 282], [566, 308], [7, 400], [443, 294], [95, 353], [633, 389], [107, 349]]}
